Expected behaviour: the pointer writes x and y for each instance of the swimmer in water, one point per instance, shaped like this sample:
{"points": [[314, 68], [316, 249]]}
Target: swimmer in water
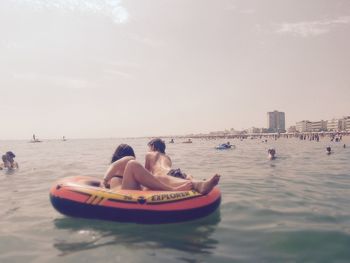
{"points": [[271, 154], [224, 146], [329, 150], [188, 141], [8, 160]]}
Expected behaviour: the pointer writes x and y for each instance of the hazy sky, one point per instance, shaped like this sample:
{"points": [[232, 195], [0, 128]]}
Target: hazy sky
{"points": [[99, 68]]}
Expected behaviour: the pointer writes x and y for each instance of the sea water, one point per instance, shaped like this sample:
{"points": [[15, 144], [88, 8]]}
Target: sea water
{"points": [[292, 209]]}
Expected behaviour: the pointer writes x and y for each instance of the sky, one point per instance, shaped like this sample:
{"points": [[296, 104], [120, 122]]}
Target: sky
{"points": [[112, 68]]}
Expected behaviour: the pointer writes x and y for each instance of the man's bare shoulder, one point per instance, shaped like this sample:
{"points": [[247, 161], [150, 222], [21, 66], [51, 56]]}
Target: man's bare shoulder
{"points": [[152, 155]]}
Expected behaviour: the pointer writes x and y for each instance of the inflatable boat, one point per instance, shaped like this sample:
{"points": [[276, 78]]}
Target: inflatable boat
{"points": [[82, 196], [224, 146]]}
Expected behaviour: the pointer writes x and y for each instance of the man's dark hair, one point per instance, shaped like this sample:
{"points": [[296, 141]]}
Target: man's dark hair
{"points": [[158, 145], [122, 151]]}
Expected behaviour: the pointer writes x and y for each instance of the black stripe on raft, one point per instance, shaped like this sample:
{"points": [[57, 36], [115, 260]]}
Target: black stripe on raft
{"points": [[173, 201], [79, 192], [122, 201], [151, 203], [93, 199], [76, 209]]}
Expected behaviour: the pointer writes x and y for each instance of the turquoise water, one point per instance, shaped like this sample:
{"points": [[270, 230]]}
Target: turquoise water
{"points": [[293, 209]]}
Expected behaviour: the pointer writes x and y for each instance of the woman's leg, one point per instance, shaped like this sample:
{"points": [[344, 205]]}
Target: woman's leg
{"points": [[175, 181], [136, 175], [115, 183], [171, 180], [203, 187]]}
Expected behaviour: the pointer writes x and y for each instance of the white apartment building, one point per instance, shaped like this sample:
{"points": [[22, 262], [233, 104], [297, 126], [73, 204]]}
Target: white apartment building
{"points": [[317, 126], [254, 130], [334, 125], [347, 123], [303, 126]]}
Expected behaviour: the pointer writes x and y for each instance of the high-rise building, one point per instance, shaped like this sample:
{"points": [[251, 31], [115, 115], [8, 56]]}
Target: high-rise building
{"points": [[276, 121]]}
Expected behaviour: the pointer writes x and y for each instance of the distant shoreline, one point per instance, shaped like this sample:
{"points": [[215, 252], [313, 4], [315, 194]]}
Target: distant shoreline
{"points": [[209, 136]]}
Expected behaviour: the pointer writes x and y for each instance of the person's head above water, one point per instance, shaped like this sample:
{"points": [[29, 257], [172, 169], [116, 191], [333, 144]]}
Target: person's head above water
{"points": [[157, 145], [329, 149], [122, 151], [271, 151], [10, 155]]}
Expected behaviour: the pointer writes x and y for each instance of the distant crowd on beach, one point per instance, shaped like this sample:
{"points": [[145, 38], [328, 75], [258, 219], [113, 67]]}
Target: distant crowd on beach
{"points": [[9, 162], [271, 152]]}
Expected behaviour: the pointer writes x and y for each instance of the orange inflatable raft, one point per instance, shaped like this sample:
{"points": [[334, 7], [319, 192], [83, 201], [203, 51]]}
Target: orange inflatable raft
{"points": [[81, 196]]}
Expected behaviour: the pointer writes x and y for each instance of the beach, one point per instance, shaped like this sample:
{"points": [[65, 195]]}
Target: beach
{"points": [[292, 209]]}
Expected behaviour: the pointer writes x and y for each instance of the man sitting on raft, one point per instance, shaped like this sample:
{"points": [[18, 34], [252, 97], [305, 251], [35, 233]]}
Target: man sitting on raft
{"points": [[159, 164]]}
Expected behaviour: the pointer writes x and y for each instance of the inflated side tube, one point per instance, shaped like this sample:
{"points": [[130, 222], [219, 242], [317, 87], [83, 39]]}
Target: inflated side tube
{"points": [[83, 197]]}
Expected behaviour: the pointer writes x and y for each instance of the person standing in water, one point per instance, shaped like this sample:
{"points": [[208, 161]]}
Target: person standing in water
{"points": [[160, 165], [271, 154]]}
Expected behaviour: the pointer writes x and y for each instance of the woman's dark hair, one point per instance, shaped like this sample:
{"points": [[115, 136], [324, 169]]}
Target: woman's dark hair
{"points": [[158, 145], [122, 151], [10, 154]]}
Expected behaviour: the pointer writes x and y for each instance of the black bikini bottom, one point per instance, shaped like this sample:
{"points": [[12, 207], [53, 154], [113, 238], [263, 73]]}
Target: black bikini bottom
{"points": [[177, 173]]}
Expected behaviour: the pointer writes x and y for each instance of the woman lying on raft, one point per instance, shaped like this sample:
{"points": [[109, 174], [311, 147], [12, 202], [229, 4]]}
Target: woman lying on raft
{"points": [[126, 173], [160, 165]]}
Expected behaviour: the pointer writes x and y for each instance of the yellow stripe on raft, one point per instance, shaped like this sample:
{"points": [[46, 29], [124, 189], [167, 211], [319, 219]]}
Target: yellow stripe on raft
{"points": [[148, 197], [171, 196], [105, 193]]}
